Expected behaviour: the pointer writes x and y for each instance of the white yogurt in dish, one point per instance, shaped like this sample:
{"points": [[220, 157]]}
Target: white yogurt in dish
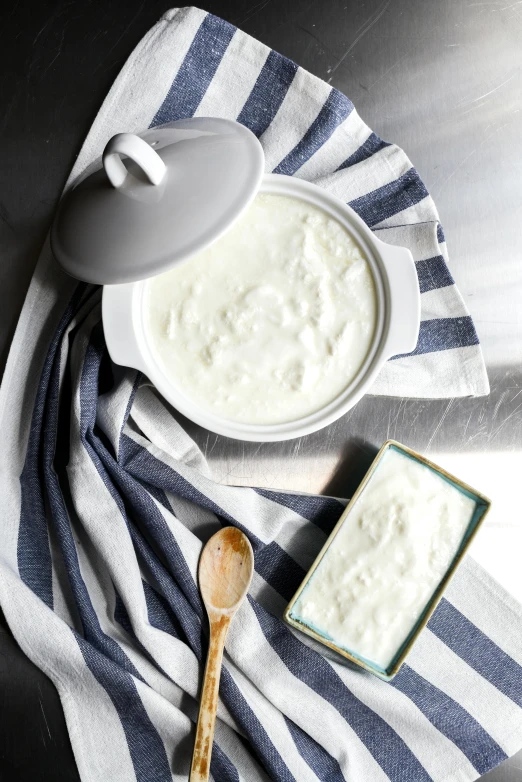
{"points": [[272, 321], [385, 562]]}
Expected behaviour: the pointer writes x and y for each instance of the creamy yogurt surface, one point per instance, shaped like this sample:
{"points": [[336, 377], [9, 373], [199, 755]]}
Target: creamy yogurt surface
{"points": [[269, 323], [387, 559]]}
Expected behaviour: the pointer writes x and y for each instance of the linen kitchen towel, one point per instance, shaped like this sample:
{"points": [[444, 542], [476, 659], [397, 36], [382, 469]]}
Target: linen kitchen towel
{"points": [[106, 501]]}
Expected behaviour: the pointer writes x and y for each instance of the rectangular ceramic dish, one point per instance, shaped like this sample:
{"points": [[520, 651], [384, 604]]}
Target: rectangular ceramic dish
{"points": [[482, 507]]}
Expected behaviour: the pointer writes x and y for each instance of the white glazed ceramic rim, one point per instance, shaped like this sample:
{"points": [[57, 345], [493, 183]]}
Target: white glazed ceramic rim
{"points": [[297, 188]]}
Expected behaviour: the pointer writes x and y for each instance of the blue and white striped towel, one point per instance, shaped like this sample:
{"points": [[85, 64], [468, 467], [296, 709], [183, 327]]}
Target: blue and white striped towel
{"points": [[106, 501]]}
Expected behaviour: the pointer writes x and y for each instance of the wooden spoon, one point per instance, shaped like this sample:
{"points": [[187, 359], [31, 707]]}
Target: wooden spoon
{"points": [[225, 573]]}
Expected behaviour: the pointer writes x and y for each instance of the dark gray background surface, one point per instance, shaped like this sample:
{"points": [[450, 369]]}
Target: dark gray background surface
{"points": [[443, 80]]}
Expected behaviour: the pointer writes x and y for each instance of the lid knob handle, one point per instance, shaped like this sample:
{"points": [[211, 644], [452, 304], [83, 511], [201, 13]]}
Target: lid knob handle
{"points": [[138, 150]]}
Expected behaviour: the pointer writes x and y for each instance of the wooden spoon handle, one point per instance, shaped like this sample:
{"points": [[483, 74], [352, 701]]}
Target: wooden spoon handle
{"points": [[200, 769]]}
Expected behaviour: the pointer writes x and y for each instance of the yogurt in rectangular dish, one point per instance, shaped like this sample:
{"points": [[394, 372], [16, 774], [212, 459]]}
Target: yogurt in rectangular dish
{"points": [[383, 569]]}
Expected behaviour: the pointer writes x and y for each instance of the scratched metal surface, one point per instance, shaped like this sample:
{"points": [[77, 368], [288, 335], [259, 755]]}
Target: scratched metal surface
{"points": [[443, 80]]}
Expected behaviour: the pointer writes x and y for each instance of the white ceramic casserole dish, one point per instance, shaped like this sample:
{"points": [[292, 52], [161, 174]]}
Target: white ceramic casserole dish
{"points": [[396, 331]]}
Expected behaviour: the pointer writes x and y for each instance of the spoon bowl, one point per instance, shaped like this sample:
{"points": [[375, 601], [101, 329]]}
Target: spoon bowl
{"points": [[225, 570]]}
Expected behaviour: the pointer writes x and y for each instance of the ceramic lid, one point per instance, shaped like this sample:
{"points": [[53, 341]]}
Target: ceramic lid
{"points": [[181, 186]]}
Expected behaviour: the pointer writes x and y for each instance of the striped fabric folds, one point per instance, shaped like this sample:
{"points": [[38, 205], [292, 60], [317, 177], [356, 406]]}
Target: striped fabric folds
{"points": [[106, 501]]}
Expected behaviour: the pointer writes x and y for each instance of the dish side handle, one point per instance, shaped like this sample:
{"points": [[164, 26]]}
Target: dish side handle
{"points": [[118, 326], [404, 300]]}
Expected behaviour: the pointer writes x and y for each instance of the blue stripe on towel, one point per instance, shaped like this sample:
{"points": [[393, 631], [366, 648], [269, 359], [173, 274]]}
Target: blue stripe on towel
{"points": [[158, 494], [146, 748], [178, 586], [335, 110], [324, 512], [268, 93], [440, 234], [153, 524], [92, 629], [60, 518], [279, 569], [271, 561], [324, 766], [144, 466], [390, 199], [161, 617], [433, 273], [122, 617], [33, 551], [104, 657], [249, 723], [188, 616], [175, 580], [477, 650], [372, 145], [197, 70], [451, 719], [444, 334], [159, 612], [221, 767], [389, 750]]}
